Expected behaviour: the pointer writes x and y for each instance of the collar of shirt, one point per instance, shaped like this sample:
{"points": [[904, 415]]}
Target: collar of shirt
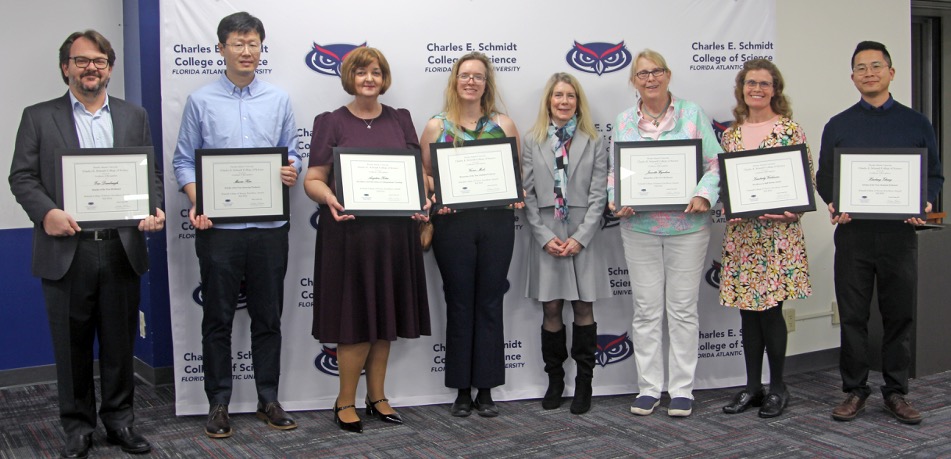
{"points": [[247, 91], [888, 104], [74, 102]]}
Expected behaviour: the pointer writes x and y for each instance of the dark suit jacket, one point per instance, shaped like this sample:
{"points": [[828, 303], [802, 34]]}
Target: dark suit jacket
{"points": [[44, 128]]}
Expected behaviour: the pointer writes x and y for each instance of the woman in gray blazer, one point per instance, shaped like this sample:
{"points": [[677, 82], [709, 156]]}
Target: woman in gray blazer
{"points": [[564, 173]]}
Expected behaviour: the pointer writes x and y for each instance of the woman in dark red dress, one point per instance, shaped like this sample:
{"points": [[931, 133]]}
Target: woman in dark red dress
{"points": [[369, 279]]}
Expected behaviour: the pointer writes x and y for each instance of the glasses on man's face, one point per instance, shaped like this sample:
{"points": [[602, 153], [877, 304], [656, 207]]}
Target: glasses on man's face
{"points": [[656, 73], [874, 67], [478, 77], [252, 47], [82, 62], [763, 85]]}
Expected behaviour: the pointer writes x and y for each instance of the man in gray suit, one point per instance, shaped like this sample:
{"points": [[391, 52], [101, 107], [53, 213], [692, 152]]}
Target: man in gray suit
{"points": [[90, 276]]}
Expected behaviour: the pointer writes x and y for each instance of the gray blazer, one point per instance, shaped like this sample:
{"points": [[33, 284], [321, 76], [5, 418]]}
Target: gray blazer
{"points": [[587, 185], [44, 128]]}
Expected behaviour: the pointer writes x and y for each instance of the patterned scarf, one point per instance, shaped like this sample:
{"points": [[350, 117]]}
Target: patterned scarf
{"points": [[560, 140]]}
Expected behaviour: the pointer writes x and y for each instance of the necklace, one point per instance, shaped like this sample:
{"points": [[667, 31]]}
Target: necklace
{"points": [[368, 123], [656, 119]]}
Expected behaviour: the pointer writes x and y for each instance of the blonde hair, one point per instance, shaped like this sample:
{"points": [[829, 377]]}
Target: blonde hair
{"points": [[652, 56], [778, 103], [539, 132], [453, 104], [362, 57]]}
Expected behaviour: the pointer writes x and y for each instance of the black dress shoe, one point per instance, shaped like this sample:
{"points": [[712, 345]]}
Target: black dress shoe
{"points": [[743, 400], [392, 418], [128, 440], [774, 404], [77, 446], [462, 407], [218, 425], [485, 409], [356, 426], [275, 416]]}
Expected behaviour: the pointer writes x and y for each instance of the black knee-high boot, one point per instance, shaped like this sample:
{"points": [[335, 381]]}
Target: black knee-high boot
{"points": [[584, 342], [554, 354]]}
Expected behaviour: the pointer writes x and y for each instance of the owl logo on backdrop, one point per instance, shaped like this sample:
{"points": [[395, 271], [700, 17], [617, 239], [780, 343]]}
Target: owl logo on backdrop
{"points": [[713, 274], [326, 59], [326, 362], [720, 127], [242, 296], [613, 349], [598, 58]]}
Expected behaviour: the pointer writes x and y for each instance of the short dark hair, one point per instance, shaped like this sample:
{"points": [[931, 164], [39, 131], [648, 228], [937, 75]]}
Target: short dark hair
{"points": [[104, 46], [241, 23], [871, 46]]}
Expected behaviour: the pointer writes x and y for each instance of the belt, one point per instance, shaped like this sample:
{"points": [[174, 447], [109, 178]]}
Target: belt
{"points": [[99, 234]]}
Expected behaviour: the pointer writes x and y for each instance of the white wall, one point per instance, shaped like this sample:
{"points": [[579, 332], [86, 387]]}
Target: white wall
{"points": [[815, 39], [33, 31]]}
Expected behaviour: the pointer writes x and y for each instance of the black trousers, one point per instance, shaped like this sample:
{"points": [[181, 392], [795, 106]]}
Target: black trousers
{"points": [[255, 259], [473, 250], [864, 258], [97, 298]]}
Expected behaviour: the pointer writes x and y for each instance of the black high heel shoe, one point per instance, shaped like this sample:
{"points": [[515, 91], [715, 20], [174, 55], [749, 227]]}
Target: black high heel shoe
{"points": [[356, 426], [393, 418]]}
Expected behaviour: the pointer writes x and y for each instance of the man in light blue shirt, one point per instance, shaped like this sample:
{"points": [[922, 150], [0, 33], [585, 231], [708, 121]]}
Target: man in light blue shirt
{"points": [[239, 111]]}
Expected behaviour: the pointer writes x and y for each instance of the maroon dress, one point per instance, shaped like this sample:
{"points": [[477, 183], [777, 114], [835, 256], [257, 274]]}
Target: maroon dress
{"points": [[369, 278]]}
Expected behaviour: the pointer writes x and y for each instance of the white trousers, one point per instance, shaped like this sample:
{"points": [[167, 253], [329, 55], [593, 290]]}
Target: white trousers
{"points": [[665, 274]]}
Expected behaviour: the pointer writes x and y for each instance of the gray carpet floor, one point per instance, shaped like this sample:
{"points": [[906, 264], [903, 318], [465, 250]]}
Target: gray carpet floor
{"points": [[29, 428]]}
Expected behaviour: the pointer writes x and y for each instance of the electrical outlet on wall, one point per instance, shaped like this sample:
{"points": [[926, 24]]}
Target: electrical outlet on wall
{"points": [[789, 315]]}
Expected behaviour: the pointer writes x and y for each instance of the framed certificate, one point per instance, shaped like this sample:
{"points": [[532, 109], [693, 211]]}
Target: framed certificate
{"points": [[656, 175], [766, 181], [880, 183], [378, 182], [480, 173], [240, 185], [106, 187]]}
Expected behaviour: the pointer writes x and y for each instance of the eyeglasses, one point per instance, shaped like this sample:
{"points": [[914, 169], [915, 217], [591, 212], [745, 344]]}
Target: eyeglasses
{"points": [[763, 85], [83, 62], [252, 47], [656, 73], [874, 67], [478, 77]]}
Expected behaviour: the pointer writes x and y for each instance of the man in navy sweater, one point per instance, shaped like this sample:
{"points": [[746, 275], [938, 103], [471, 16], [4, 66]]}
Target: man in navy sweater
{"points": [[867, 251]]}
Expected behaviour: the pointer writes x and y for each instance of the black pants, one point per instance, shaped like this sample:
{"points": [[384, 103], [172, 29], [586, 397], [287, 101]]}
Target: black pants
{"points": [[764, 330], [256, 259], [97, 298], [862, 259], [473, 249]]}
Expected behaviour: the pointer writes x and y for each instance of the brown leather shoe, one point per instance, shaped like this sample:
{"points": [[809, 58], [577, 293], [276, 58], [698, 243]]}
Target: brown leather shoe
{"points": [[897, 406], [849, 408], [218, 425], [275, 416]]}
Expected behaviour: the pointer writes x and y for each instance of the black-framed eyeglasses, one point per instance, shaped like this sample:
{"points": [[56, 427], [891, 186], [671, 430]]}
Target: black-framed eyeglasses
{"points": [[763, 85], [252, 47], [83, 62], [656, 73]]}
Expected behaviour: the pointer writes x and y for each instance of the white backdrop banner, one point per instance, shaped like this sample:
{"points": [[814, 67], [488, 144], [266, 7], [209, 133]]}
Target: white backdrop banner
{"points": [[705, 42]]}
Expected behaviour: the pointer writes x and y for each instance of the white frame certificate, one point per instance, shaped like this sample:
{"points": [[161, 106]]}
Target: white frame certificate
{"points": [[106, 187], [240, 185], [766, 181], [379, 182], [657, 175], [480, 173], [880, 183]]}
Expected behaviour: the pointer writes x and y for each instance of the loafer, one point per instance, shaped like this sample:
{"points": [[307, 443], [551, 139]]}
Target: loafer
{"points": [[644, 405], [743, 400], [275, 416], [774, 404], [461, 408], [897, 406], [128, 440], [849, 408], [485, 409], [218, 425], [680, 407], [77, 446]]}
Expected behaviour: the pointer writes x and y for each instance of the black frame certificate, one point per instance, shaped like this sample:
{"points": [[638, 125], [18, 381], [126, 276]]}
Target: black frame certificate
{"points": [[240, 185], [480, 173], [766, 181], [880, 183], [379, 182], [106, 187], [657, 175]]}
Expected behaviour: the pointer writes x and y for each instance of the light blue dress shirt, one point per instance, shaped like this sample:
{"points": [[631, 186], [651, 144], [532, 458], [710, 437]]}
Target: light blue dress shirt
{"points": [[93, 129], [222, 115]]}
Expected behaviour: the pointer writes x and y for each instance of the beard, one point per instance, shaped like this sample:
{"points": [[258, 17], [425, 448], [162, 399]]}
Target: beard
{"points": [[93, 89]]}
